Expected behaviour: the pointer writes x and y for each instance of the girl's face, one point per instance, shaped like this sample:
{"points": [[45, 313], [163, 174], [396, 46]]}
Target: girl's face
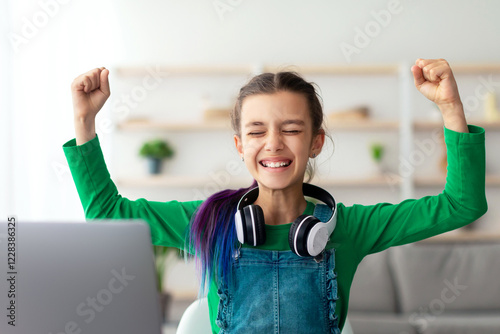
{"points": [[276, 138]]}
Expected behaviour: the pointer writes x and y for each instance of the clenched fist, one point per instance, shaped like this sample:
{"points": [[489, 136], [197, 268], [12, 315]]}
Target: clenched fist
{"points": [[90, 91], [435, 80]]}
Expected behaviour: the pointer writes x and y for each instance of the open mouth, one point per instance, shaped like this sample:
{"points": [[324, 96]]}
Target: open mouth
{"points": [[275, 164]]}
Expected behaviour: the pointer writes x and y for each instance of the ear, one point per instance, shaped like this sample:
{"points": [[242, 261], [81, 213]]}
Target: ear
{"points": [[318, 142], [238, 144]]}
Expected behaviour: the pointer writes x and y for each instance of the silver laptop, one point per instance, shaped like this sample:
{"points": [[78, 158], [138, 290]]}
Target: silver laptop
{"points": [[77, 278]]}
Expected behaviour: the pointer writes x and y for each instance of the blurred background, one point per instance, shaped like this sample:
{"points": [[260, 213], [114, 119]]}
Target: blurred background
{"points": [[177, 66]]}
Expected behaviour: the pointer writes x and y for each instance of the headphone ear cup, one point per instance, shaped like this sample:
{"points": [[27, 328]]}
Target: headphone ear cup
{"points": [[299, 231], [260, 225], [254, 225]]}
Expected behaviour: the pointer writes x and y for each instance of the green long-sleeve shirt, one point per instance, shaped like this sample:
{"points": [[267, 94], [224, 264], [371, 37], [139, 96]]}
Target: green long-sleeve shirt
{"points": [[360, 229]]}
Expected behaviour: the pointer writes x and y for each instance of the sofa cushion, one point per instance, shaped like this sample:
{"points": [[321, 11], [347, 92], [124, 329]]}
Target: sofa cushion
{"points": [[437, 278], [380, 323], [372, 287], [464, 324]]}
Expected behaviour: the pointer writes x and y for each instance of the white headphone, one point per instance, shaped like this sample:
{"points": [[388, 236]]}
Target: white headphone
{"points": [[308, 235]]}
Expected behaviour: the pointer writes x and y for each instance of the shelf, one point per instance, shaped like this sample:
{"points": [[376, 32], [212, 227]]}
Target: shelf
{"points": [[374, 181], [175, 126], [225, 124], [430, 125], [491, 180], [475, 68], [176, 181], [461, 235], [363, 125], [390, 69], [332, 69], [167, 70], [325, 69]]}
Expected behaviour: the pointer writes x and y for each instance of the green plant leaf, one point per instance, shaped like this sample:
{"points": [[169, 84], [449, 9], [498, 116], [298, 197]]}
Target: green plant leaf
{"points": [[156, 148]]}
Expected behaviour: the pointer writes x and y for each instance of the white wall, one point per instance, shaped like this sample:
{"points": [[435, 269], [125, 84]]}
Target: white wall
{"points": [[5, 115], [83, 35], [79, 36]]}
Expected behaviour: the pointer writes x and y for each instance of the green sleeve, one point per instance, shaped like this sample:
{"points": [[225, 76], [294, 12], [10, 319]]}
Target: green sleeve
{"points": [[463, 200], [100, 199]]}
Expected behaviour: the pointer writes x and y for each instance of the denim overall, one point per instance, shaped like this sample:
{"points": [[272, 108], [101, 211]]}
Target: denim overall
{"points": [[279, 292]]}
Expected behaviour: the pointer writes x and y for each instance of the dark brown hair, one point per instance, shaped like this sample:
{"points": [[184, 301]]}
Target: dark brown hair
{"points": [[289, 81]]}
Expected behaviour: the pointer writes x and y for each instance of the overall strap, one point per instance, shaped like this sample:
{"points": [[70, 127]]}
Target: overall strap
{"points": [[322, 212]]}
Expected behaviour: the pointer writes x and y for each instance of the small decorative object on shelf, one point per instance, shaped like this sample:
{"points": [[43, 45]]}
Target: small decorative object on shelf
{"points": [[491, 113], [377, 152], [353, 114], [213, 114], [138, 120], [155, 151]]}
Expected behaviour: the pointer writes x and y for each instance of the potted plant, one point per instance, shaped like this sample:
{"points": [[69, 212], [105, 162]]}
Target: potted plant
{"points": [[155, 151], [377, 152]]}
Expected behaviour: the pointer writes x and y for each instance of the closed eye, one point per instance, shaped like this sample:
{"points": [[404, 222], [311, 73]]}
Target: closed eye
{"points": [[292, 131]]}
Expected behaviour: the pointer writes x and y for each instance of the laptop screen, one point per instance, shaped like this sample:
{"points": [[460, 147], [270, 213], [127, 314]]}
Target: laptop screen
{"points": [[71, 278]]}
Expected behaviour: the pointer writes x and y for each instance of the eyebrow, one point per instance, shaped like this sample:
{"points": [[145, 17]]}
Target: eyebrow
{"points": [[288, 121]]}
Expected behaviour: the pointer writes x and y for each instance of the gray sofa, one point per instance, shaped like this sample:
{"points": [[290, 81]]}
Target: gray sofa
{"points": [[428, 288]]}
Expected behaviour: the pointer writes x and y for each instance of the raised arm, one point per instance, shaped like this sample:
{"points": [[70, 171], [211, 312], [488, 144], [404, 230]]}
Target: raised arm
{"points": [[463, 200], [98, 194]]}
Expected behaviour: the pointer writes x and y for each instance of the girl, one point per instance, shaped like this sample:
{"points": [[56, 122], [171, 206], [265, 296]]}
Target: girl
{"points": [[277, 120]]}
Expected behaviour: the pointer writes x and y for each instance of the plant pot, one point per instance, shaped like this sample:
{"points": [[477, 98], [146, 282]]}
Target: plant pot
{"points": [[154, 165], [165, 306], [377, 169]]}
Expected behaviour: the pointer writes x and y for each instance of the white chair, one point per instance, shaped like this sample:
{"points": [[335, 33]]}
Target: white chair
{"points": [[195, 319], [347, 327]]}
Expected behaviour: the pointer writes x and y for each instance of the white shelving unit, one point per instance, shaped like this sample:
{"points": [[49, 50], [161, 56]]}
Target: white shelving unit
{"points": [[404, 126]]}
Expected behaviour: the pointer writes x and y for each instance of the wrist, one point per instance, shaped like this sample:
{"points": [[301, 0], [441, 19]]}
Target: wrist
{"points": [[452, 109], [84, 120], [84, 131], [456, 123]]}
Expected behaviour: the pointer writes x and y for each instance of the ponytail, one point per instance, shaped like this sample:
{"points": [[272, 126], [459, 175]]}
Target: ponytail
{"points": [[211, 236]]}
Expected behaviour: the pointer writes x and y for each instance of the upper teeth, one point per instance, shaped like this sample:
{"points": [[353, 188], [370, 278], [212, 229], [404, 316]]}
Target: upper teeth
{"points": [[275, 164]]}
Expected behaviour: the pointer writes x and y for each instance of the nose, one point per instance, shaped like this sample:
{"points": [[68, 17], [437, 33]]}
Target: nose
{"points": [[274, 141]]}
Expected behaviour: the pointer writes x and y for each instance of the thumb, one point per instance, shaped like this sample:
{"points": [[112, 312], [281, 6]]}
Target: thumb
{"points": [[104, 82], [418, 76]]}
